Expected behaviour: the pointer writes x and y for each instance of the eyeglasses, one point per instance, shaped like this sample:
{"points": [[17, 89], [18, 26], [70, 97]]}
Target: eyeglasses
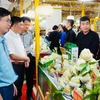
{"points": [[7, 20]]}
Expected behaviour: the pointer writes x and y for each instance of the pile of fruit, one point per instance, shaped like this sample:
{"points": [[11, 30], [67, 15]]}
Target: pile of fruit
{"points": [[73, 76]]}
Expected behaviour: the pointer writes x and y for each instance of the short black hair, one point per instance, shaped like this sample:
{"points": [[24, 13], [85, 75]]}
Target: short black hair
{"points": [[64, 28], [71, 22], [15, 20], [60, 25], [84, 18], [24, 18], [4, 12], [55, 27]]}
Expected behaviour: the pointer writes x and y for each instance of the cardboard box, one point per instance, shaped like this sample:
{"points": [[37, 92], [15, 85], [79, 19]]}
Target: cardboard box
{"points": [[72, 51]]}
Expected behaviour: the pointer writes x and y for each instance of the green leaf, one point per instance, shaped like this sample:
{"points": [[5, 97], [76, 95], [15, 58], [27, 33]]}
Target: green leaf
{"points": [[98, 79], [91, 91], [82, 70], [83, 65], [84, 88], [85, 70], [91, 63], [55, 94], [90, 97], [99, 91], [52, 94]]}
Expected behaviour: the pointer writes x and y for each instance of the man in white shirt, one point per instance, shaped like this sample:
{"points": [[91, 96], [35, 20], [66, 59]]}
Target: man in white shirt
{"points": [[17, 52]]}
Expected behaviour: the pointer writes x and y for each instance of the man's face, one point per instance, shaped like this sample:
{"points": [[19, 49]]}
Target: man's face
{"points": [[5, 23], [60, 28], [26, 25], [85, 26], [19, 27], [67, 24]]}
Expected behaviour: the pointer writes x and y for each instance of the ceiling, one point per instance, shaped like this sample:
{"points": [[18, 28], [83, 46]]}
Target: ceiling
{"points": [[74, 7], [92, 9]]}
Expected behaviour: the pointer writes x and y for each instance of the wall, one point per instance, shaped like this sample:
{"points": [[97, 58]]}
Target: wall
{"points": [[55, 19]]}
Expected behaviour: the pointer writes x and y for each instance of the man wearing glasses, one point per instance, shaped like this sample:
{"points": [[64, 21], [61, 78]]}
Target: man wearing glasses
{"points": [[7, 74]]}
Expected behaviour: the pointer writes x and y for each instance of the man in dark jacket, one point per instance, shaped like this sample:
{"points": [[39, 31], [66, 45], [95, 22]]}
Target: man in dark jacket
{"points": [[71, 36], [54, 37], [87, 38]]}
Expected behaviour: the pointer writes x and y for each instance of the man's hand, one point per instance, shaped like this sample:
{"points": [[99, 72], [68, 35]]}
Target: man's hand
{"points": [[27, 60], [26, 64], [15, 90]]}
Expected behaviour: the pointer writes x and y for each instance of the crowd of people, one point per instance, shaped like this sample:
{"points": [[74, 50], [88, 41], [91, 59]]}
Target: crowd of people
{"points": [[86, 38], [18, 60]]}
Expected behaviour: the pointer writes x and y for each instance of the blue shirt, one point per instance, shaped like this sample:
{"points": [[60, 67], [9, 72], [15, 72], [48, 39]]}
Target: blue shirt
{"points": [[27, 40], [7, 74], [63, 36]]}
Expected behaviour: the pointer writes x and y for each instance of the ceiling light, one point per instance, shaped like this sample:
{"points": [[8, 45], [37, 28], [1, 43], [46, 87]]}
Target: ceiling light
{"points": [[31, 14], [44, 10]]}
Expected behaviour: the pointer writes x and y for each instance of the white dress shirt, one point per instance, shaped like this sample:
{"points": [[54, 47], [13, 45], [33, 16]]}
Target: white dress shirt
{"points": [[14, 43]]}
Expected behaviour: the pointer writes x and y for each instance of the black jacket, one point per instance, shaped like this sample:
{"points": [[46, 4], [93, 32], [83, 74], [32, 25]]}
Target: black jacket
{"points": [[90, 41], [54, 39], [70, 37]]}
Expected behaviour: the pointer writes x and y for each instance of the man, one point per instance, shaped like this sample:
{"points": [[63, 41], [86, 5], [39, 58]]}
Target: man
{"points": [[87, 38], [54, 37], [17, 52], [71, 36], [63, 34], [27, 40], [42, 32], [7, 74]]}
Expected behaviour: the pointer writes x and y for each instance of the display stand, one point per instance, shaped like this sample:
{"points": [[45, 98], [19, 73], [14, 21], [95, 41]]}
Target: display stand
{"points": [[47, 83]]}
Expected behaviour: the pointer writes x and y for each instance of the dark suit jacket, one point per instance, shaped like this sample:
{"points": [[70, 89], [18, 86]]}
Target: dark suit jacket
{"points": [[54, 39]]}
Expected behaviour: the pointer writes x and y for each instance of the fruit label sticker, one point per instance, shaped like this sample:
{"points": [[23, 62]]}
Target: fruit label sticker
{"points": [[76, 95], [93, 76]]}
